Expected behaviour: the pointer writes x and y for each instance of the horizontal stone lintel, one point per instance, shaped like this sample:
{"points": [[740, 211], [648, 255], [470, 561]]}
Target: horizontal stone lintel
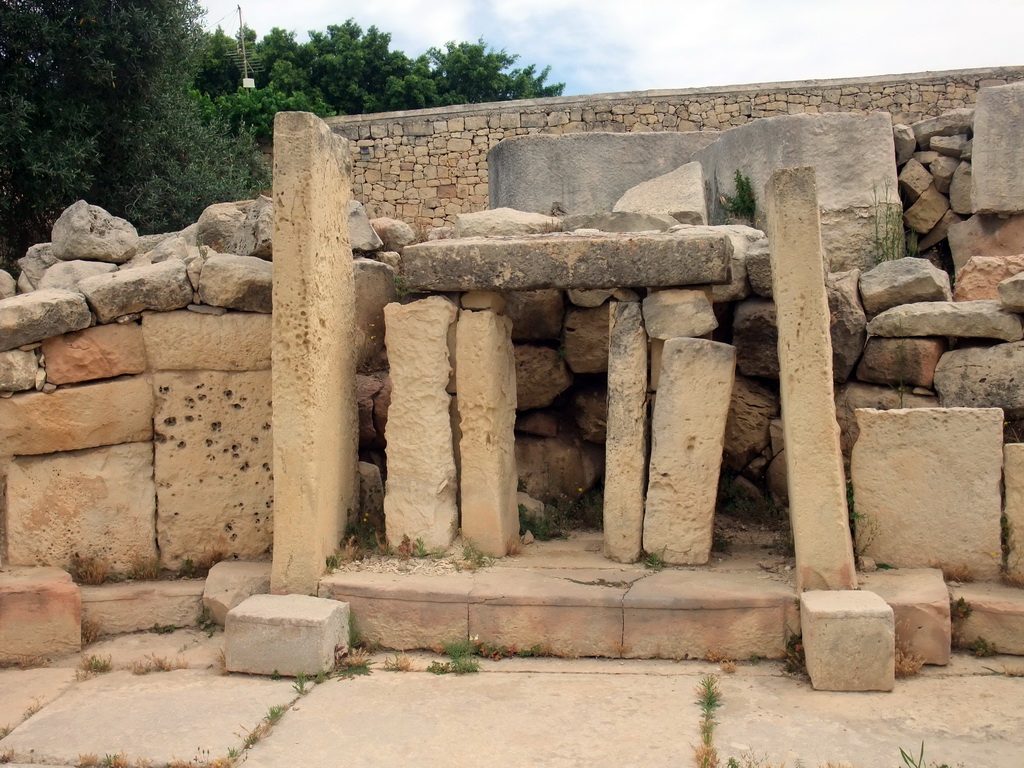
{"points": [[565, 260]]}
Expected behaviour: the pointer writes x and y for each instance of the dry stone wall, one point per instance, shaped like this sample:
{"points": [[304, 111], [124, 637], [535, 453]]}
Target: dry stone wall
{"points": [[427, 166]]}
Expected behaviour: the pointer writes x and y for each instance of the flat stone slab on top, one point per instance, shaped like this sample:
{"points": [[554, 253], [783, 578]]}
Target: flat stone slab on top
{"points": [[692, 256]]}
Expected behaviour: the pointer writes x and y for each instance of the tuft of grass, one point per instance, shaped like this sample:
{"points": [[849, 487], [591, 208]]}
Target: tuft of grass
{"points": [[356, 662], [709, 698], [742, 205], [91, 630], [959, 572], [300, 683], [276, 713], [333, 561], [34, 707], [653, 561], [163, 629], [88, 760], [154, 663], [461, 652], [199, 567], [981, 647], [908, 663], [795, 660], [145, 568], [472, 558], [205, 621], [93, 665], [399, 663], [89, 569], [959, 609]]}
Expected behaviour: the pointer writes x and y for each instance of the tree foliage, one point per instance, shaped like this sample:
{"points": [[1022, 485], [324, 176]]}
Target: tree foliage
{"points": [[344, 70], [94, 104]]}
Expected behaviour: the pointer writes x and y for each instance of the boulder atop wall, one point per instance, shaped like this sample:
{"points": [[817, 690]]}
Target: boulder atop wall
{"points": [[88, 232]]}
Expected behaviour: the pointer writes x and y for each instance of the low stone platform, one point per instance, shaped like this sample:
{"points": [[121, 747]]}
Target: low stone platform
{"points": [[691, 256], [116, 609], [611, 612], [996, 616]]}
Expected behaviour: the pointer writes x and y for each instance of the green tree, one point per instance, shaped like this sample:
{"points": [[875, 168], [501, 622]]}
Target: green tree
{"points": [[469, 73], [94, 104]]}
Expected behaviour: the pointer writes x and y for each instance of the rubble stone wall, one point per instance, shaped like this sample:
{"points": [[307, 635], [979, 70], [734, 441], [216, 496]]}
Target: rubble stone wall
{"points": [[426, 166]]}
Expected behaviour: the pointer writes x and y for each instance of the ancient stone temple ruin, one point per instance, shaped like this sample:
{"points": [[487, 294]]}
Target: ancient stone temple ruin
{"points": [[624, 322]]}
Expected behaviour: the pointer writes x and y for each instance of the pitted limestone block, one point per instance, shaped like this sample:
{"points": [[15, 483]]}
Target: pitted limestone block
{"points": [[920, 603], [77, 417], [926, 485], [86, 231], [214, 451], [849, 640], [996, 616], [420, 497], [97, 502], [101, 352], [232, 581], [687, 437], [190, 341], [40, 614], [164, 286], [285, 635]]}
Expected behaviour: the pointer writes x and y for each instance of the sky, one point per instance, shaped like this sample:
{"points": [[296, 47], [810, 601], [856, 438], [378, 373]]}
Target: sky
{"points": [[604, 46]]}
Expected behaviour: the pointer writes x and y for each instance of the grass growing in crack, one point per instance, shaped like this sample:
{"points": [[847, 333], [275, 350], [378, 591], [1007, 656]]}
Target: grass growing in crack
{"points": [[795, 660], [354, 663], [91, 630], [145, 568], [462, 660], [887, 217], [299, 685], [399, 663], [472, 558], [89, 569], [154, 663], [276, 713], [653, 561], [709, 698]]}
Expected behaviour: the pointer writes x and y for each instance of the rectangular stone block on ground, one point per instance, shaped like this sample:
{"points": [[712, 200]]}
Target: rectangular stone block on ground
{"points": [[190, 341], [926, 484], [229, 582], [568, 261], [687, 438], [285, 634], [316, 435], [420, 495], [40, 614], [522, 609], [625, 477], [122, 608], [997, 153], [814, 463], [404, 612], [920, 603], [101, 352], [849, 640], [1013, 509], [98, 502], [996, 616], [691, 614], [486, 383], [77, 417], [213, 465]]}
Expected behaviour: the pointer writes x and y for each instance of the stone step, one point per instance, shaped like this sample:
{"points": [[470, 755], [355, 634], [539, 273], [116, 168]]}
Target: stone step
{"points": [[609, 612], [996, 616], [117, 609]]}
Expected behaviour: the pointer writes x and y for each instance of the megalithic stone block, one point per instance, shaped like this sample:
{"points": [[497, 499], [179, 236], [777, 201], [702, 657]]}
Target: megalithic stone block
{"points": [[420, 496], [687, 438], [814, 462], [625, 475], [315, 427], [486, 382]]}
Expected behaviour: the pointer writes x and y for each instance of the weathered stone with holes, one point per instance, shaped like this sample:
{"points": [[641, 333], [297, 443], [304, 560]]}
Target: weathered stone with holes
{"points": [[38, 315], [42, 614], [678, 312], [920, 603], [927, 487], [902, 281], [901, 362], [214, 474], [285, 635], [626, 434], [237, 282], [982, 377], [77, 417], [849, 640], [568, 261], [95, 353], [98, 502], [162, 287], [980, 277], [817, 484], [486, 382], [996, 617], [983, 235], [88, 232], [997, 153], [185, 341], [420, 497], [230, 582], [984, 319], [315, 432], [687, 436]]}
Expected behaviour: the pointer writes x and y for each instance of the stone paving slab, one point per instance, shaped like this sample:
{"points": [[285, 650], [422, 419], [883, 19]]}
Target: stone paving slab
{"points": [[23, 690], [158, 717]]}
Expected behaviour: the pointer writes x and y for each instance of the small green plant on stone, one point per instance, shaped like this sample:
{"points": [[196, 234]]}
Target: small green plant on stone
{"points": [[163, 629], [653, 561], [472, 558], [981, 647], [960, 609], [709, 698], [276, 713], [742, 205], [887, 217], [205, 622], [420, 548], [300, 683], [795, 660], [333, 561], [462, 660]]}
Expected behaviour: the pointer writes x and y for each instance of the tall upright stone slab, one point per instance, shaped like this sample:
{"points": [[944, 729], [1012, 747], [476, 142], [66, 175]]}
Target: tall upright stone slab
{"points": [[997, 153], [1013, 481], [313, 364], [814, 463], [420, 497], [485, 378], [625, 474], [687, 438]]}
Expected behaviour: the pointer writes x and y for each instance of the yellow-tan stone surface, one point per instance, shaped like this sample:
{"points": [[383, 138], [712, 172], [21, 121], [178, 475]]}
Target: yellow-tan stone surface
{"points": [[190, 341], [40, 614], [101, 352], [1013, 482]]}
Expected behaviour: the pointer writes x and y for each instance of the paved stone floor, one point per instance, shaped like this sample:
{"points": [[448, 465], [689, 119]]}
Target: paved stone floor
{"points": [[514, 713]]}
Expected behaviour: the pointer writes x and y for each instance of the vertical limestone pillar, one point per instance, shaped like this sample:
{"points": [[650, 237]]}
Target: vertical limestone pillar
{"points": [[687, 437], [625, 475], [486, 382], [420, 494], [814, 463], [313, 367], [1013, 480]]}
